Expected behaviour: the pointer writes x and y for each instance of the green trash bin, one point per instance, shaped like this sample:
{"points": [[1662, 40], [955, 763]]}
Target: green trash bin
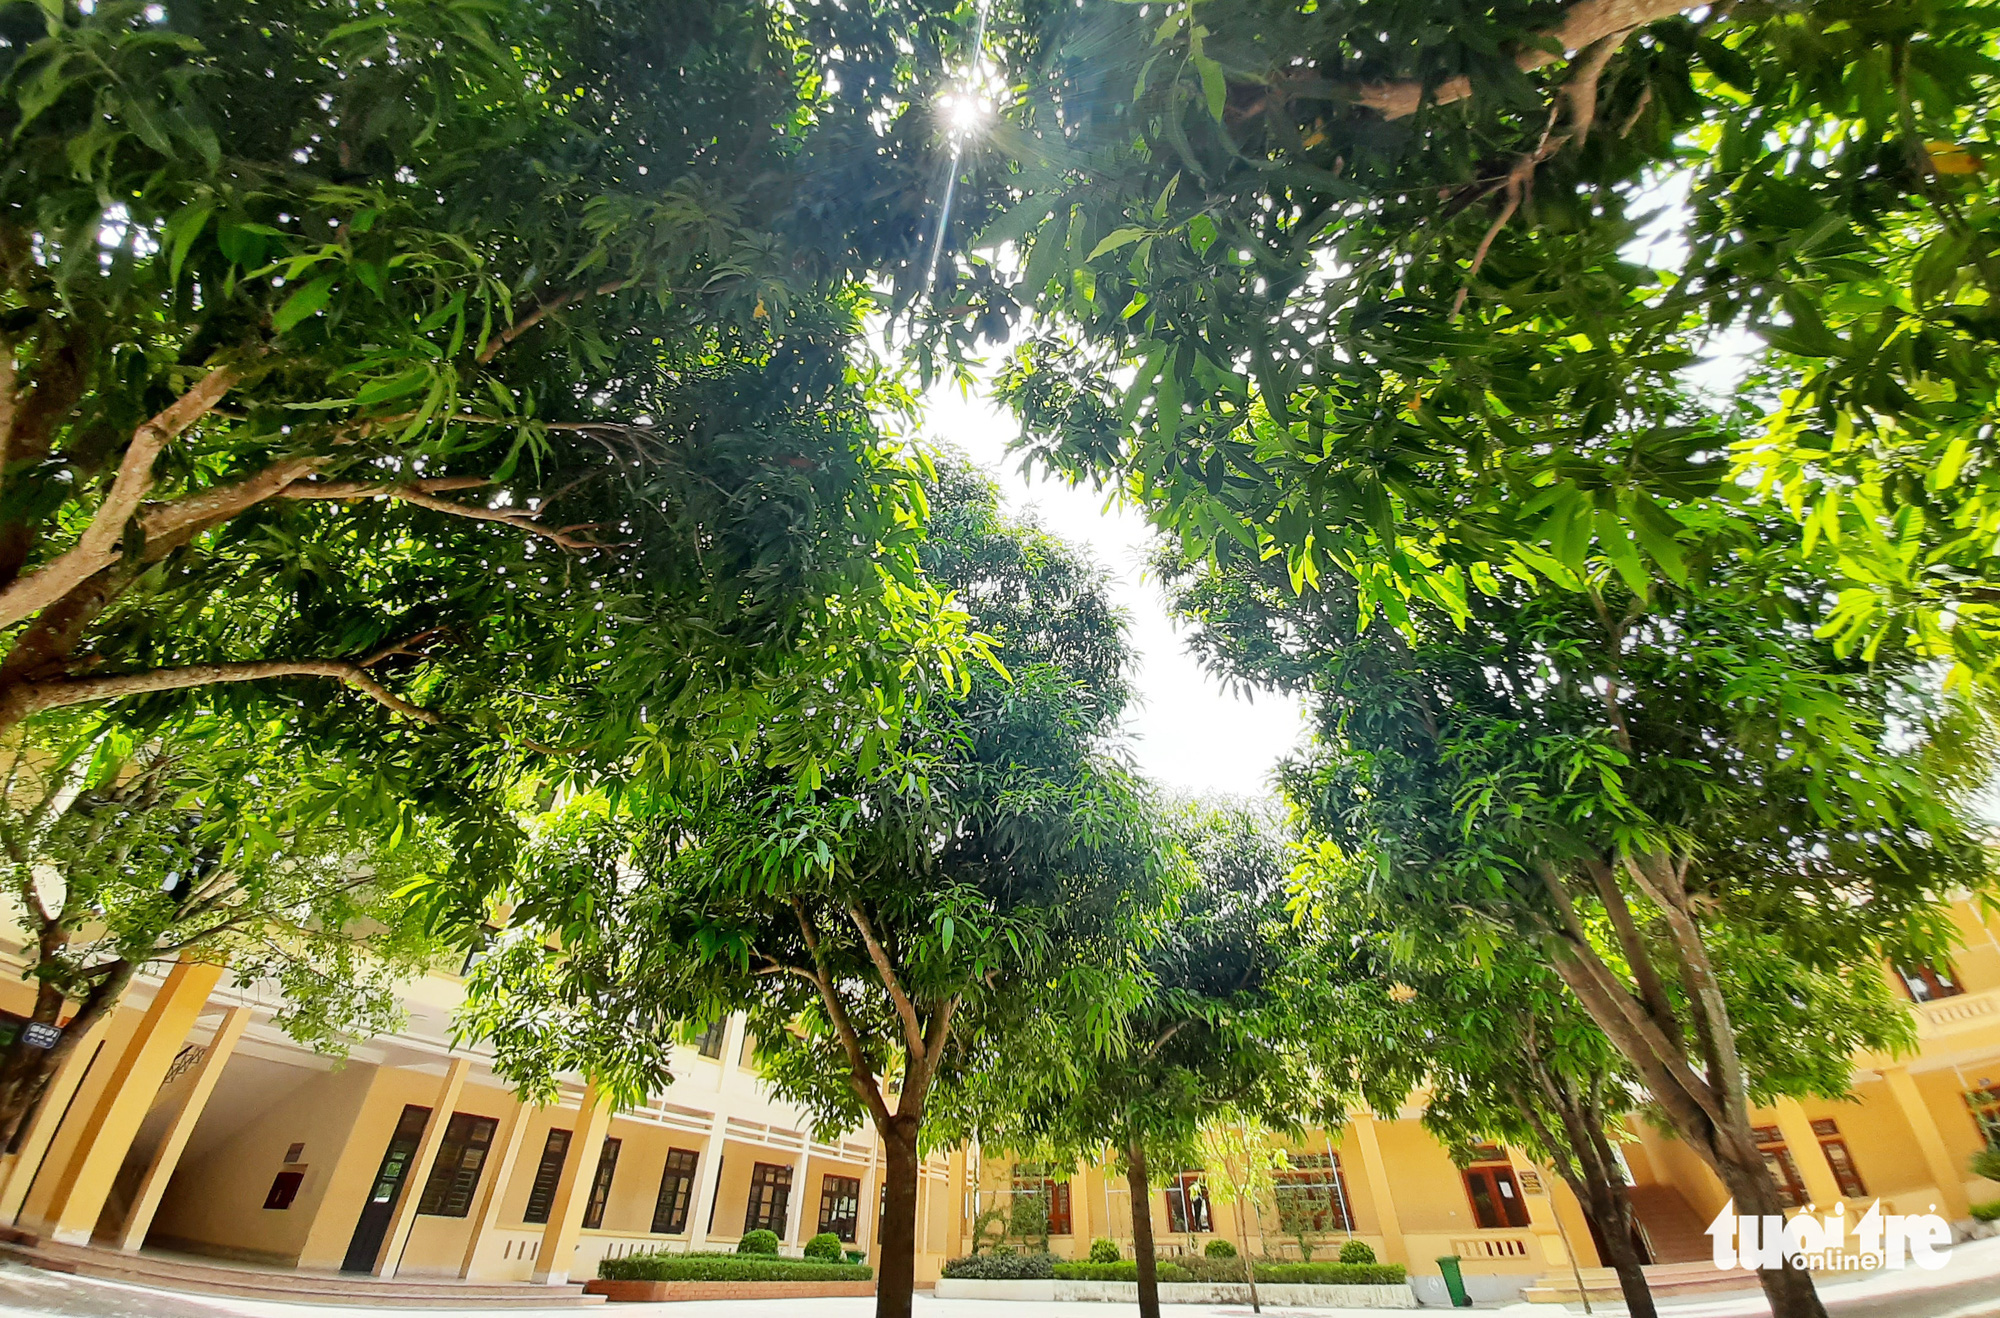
{"points": [[1454, 1281]]}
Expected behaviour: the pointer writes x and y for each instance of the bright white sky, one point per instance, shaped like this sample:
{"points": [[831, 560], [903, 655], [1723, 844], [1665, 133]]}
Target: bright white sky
{"points": [[1187, 733]]}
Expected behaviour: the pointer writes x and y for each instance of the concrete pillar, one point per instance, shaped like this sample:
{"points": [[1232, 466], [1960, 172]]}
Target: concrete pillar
{"points": [[795, 1220], [954, 1222], [1952, 1201], [419, 1175], [707, 1175], [48, 1118], [207, 1071], [586, 1146], [871, 1204], [1377, 1175], [135, 1081], [1796, 1127], [493, 1186]]}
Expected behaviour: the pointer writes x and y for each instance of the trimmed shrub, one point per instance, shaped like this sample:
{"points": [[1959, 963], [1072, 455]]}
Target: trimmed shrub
{"points": [[1103, 1251], [857, 1255], [1122, 1270], [1206, 1268], [1986, 1163], [727, 1267], [1332, 1274], [1219, 1249], [1002, 1267], [758, 1242], [1987, 1212], [1357, 1251], [825, 1245]]}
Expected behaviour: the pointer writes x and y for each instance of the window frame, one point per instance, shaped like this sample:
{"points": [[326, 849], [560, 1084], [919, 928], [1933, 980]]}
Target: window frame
{"points": [[548, 1175], [770, 1190], [1311, 1173], [840, 1206], [1929, 982], [1184, 1207], [600, 1183], [1833, 1147], [682, 1168], [1492, 1171], [468, 1139], [1784, 1167]]}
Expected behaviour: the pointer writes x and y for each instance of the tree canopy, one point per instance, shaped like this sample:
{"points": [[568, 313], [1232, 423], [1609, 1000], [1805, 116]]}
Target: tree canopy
{"points": [[890, 927]]}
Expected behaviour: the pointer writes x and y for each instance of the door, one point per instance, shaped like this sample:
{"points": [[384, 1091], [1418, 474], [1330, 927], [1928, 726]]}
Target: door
{"points": [[386, 1190]]}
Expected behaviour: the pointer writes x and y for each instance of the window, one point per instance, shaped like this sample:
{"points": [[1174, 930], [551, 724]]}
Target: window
{"points": [[1053, 1194], [1838, 1158], [710, 1043], [770, 1197], [670, 1210], [1929, 982], [1985, 1106], [295, 1152], [1187, 1206], [840, 1205], [1490, 1185], [600, 1185], [285, 1188], [543, 1192], [455, 1174], [1311, 1197], [1770, 1143], [747, 1054]]}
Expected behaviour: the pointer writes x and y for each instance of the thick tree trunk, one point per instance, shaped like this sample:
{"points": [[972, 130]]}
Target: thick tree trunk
{"points": [[1789, 1288], [896, 1272], [1611, 1214], [1142, 1230], [25, 1072]]}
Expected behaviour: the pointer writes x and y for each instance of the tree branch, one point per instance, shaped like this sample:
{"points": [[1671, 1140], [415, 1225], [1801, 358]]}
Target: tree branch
{"points": [[1584, 25], [860, 1076], [98, 545], [913, 1029], [33, 697], [424, 495], [542, 309]]}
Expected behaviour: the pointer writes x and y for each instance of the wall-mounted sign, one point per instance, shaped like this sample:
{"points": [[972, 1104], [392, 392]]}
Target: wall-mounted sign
{"points": [[1531, 1181], [38, 1034]]}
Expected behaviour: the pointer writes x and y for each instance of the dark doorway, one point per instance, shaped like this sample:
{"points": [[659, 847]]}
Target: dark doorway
{"points": [[386, 1190]]}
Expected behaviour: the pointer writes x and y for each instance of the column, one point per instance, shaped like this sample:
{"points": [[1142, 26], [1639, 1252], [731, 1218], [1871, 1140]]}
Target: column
{"points": [[207, 1071], [707, 1184], [1796, 1127], [1952, 1201], [795, 1220], [419, 1174], [870, 1215], [487, 1214], [1377, 1174], [48, 1118], [954, 1222], [573, 1189], [134, 1083]]}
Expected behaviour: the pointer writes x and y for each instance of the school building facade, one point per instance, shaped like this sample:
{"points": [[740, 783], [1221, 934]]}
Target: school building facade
{"points": [[188, 1127]]}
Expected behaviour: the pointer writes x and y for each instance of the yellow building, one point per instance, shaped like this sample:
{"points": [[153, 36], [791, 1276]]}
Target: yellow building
{"points": [[187, 1126]]}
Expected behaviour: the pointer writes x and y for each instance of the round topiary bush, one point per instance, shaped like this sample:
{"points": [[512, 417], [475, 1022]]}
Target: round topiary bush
{"points": [[758, 1242], [1986, 1163], [1219, 1249], [825, 1245], [1356, 1251], [1103, 1251]]}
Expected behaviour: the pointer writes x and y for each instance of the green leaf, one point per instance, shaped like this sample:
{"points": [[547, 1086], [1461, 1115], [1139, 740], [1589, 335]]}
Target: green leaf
{"points": [[302, 303], [1116, 239]]}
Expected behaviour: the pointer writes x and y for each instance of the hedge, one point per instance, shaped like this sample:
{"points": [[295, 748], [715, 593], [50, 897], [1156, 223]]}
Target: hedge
{"points": [[727, 1267], [1278, 1273], [1123, 1270], [1987, 1212], [1002, 1267]]}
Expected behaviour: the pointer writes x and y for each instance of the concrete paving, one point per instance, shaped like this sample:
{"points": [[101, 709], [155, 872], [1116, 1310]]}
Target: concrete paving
{"points": [[1968, 1287]]}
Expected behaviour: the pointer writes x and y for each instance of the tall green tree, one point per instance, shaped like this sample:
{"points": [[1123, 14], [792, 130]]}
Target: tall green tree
{"points": [[1677, 799], [494, 361], [1396, 291], [1221, 1034], [891, 927]]}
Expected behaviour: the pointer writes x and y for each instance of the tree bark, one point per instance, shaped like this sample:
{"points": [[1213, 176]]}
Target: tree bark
{"points": [[896, 1272], [1789, 1288], [1141, 1194], [25, 1072]]}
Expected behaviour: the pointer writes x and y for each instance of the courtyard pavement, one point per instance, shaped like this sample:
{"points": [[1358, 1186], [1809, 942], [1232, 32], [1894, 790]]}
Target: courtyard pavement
{"points": [[1968, 1287]]}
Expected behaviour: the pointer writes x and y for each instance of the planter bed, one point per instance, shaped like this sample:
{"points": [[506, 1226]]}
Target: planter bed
{"points": [[1183, 1292], [656, 1291]]}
